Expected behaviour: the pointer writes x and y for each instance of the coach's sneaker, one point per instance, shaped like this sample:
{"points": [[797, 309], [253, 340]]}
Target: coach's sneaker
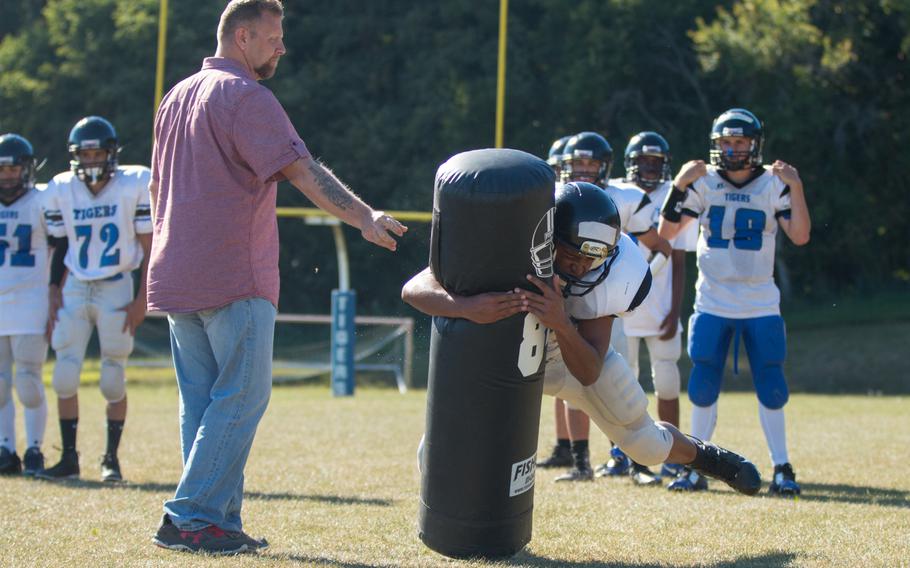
{"points": [[670, 470], [110, 469], [688, 480], [10, 464], [618, 464], [729, 467], [784, 481], [66, 468], [561, 457], [642, 475], [33, 461], [581, 472], [211, 539]]}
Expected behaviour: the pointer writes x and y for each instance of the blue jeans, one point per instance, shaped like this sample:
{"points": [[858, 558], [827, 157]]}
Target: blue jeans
{"points": [[223, 360]]}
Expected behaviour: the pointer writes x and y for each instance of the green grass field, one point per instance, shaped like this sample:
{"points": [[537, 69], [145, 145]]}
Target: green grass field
{"points": [[333, 482]]}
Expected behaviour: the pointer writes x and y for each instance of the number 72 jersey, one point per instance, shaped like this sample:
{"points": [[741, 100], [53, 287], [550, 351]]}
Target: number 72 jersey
{"points": [[101, 228], [736, 243]]}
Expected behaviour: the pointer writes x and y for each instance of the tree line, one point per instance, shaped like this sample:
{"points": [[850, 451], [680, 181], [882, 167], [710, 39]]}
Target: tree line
{"points": [[384, 91]]}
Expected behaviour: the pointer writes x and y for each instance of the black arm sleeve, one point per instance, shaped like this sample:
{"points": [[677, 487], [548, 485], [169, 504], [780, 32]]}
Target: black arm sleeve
{"points": [[58, 269], [672, 209]]}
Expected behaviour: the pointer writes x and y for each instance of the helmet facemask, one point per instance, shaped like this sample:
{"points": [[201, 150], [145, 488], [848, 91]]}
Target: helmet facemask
{"points": [[648, 170], [571, 172], [12, 188], [542, 253], [93, 172]]}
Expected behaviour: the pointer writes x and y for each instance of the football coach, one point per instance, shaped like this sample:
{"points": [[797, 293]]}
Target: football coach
{"points": [[222, 142]]}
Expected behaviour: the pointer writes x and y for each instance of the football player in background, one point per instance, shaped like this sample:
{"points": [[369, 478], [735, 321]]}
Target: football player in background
{"points": [[601, 274], [656, 321], [23, 304], [588, 157], [739, 205], [100, 212]]}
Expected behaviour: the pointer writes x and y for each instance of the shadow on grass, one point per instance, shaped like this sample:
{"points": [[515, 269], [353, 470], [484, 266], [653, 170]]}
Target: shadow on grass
{"points": [[858, 494], [155, 487], [319, 561], [771, 560]]}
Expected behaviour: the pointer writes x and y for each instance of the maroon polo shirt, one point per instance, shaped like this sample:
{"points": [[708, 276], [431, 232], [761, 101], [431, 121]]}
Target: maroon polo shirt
{"points": [[221, 141]]}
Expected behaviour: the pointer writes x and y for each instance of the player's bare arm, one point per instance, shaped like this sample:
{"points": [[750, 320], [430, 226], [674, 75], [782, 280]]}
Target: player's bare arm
{"points": [[136, 310], [670, 324], [426, 294], [583, 347], [153, 194], [328, 193], [799, 225]]}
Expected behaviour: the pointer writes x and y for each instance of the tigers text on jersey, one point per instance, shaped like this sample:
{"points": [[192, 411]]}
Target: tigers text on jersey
{"points": [[24, 266], [736, 243], [645, 321], [101, 228], [635, 206], [616, 295]]}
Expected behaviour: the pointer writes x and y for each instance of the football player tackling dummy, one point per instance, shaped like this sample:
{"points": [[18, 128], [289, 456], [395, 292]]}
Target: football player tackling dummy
{"points": [[601, 275], [739, 205]]}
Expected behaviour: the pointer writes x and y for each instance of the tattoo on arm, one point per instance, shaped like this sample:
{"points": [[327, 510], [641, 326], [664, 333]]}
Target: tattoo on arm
{"points": [[337, 193]]}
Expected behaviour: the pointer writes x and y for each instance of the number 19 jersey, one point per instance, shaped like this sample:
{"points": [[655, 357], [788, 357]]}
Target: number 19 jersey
{"points": [[101, 228], [23, 266], [736, 243]]}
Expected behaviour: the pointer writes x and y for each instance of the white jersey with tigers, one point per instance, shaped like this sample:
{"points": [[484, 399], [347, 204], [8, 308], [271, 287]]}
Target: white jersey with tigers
{"points": [[635, 206], [736, 242], [24, 265], [646, 320], [619, 293], [102, 228]]}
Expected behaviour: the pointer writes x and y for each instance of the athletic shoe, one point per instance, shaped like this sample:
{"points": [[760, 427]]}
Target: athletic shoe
{"points": [[729, 467], [670, 470], [210, 540], [642, 475], [10, 464], [66, 468], [33, 460], [784, 482], [110, 469], [581, 472], [618, 464], [561, 457], [688, 480]]}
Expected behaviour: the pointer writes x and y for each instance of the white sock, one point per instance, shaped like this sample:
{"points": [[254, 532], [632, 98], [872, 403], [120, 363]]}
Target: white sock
{"points": [[35, 423], [704, 418], [8, 426], [773, 423]]}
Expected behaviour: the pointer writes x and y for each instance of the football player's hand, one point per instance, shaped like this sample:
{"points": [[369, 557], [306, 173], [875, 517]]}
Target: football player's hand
{"points": [[54, 303], [690, 171], [491, 306], [786, 173], [135, 315], [377, 229], [549, 306], [669, 326]]}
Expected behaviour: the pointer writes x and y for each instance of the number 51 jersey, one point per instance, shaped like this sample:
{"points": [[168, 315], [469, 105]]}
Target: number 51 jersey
{"points": [[736, 243], [101, 228], [23, 266]]}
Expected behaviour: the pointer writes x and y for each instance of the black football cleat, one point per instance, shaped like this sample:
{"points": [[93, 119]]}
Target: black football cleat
{"points": [[642, 475], [729, 467], [33, 461], [66, 468], [561, 457], [110, 469], [784, 482], [10, 464]]}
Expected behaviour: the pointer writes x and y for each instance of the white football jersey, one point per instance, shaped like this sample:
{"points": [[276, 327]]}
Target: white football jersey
{"points": [[736, 243], [635, 206], [24, 265], [646, 320], [612, 297], [101, 228]]}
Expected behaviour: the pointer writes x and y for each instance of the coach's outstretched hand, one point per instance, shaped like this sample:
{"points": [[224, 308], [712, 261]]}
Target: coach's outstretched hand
{"points": [[377, 230]]}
